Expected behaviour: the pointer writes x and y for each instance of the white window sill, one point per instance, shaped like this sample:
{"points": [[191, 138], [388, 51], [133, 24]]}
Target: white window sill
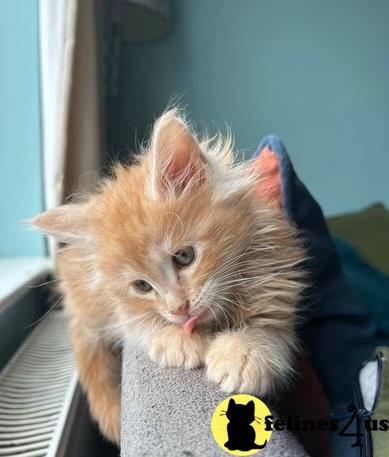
{"points": [[19, 273]]}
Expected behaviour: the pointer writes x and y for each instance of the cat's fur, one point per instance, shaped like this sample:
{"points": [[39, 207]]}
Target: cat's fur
{"points": [[245, 277]]}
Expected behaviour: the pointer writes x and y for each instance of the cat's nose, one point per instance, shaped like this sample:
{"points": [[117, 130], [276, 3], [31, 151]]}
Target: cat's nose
{"points": [[183, 309]]}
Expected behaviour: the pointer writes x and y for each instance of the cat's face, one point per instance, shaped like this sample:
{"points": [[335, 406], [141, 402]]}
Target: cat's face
{"points": [[168, 235], [242, 414], [170, 239], [176, 257]]}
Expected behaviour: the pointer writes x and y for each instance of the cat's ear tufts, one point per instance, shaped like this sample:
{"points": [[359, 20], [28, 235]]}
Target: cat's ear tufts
{"points": [[71, 222], [178, 163]]}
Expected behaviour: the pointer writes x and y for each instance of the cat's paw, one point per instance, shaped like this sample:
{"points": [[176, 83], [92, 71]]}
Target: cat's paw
{"points": [[172, 347], [231, 362]]}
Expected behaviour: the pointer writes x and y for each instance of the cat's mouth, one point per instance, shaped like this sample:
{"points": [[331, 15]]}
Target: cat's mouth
{"points": [[189, 322]]}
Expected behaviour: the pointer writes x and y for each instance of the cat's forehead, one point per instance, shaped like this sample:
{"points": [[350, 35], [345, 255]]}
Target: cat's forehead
{"points": [[129, 210]]}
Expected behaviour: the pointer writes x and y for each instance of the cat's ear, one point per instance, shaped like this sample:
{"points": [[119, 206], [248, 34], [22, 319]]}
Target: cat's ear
{"points": [[251, 406], [269, 186], [231, 403], [66, 223], [178, 163]]}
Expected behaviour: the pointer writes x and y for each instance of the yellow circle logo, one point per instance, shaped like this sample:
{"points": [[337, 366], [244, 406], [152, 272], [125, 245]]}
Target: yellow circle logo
{"points": [[238, 425]]}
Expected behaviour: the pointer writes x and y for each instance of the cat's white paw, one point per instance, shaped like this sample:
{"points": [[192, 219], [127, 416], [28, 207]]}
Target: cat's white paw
{"points": [[171, 347], [232, 363]]}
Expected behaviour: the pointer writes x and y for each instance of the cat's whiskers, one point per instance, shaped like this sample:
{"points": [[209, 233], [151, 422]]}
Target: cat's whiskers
{"points": [[228, 313], [213, 312], [258, 279], [236, 304], [232, 261], [51, 309], [210, 295], [34, 286], [209, 303]]}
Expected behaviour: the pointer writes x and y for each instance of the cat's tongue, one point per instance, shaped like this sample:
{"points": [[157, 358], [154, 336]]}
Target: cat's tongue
{"points": [[190, 324]]}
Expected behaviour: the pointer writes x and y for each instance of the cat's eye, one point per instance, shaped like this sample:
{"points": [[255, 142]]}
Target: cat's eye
{"points": [[184, 257], [142, 286]]}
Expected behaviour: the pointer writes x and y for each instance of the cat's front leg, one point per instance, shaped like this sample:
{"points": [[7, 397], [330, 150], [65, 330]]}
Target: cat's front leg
{"points": [[250, 360], [170, 346], [99, 373]]}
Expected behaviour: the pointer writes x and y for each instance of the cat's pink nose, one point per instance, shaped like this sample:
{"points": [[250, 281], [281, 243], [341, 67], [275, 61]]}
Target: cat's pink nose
{"points": [[183, 309]]}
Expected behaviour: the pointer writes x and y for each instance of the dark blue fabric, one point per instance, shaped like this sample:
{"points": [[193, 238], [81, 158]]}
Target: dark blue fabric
{"points": [[338, 333], [371, 285]]}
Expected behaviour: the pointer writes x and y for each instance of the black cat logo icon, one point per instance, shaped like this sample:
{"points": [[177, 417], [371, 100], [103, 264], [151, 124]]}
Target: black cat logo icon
{"points": [[241, 435], [238, 425]]}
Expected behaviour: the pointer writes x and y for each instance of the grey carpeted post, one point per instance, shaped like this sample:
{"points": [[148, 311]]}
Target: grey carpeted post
{"points": [[167, 413]]}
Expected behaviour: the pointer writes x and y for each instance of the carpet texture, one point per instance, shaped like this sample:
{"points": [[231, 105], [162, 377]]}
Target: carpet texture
{"points": [[167, 413]]}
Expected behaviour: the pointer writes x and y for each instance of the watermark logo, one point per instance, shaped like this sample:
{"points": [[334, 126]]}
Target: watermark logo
{"points": [[238, 425]]}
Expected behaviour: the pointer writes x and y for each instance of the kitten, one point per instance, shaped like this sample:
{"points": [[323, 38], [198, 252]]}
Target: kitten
{"points": [[179, 253]]}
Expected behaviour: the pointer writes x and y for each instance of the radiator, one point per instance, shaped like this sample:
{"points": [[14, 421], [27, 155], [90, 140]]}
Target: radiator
{"points": [[37, 387]]}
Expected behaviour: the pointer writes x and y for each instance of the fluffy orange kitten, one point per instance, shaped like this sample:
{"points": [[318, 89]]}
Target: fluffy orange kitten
{"points": [[178, 253]]}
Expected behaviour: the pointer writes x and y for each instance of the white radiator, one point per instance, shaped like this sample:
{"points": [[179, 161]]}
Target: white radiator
{"points": [[36, 390]]}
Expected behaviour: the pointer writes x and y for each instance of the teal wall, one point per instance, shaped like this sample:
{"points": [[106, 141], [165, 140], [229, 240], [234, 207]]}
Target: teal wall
{"points": [[314, 72], [20, 131]]}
